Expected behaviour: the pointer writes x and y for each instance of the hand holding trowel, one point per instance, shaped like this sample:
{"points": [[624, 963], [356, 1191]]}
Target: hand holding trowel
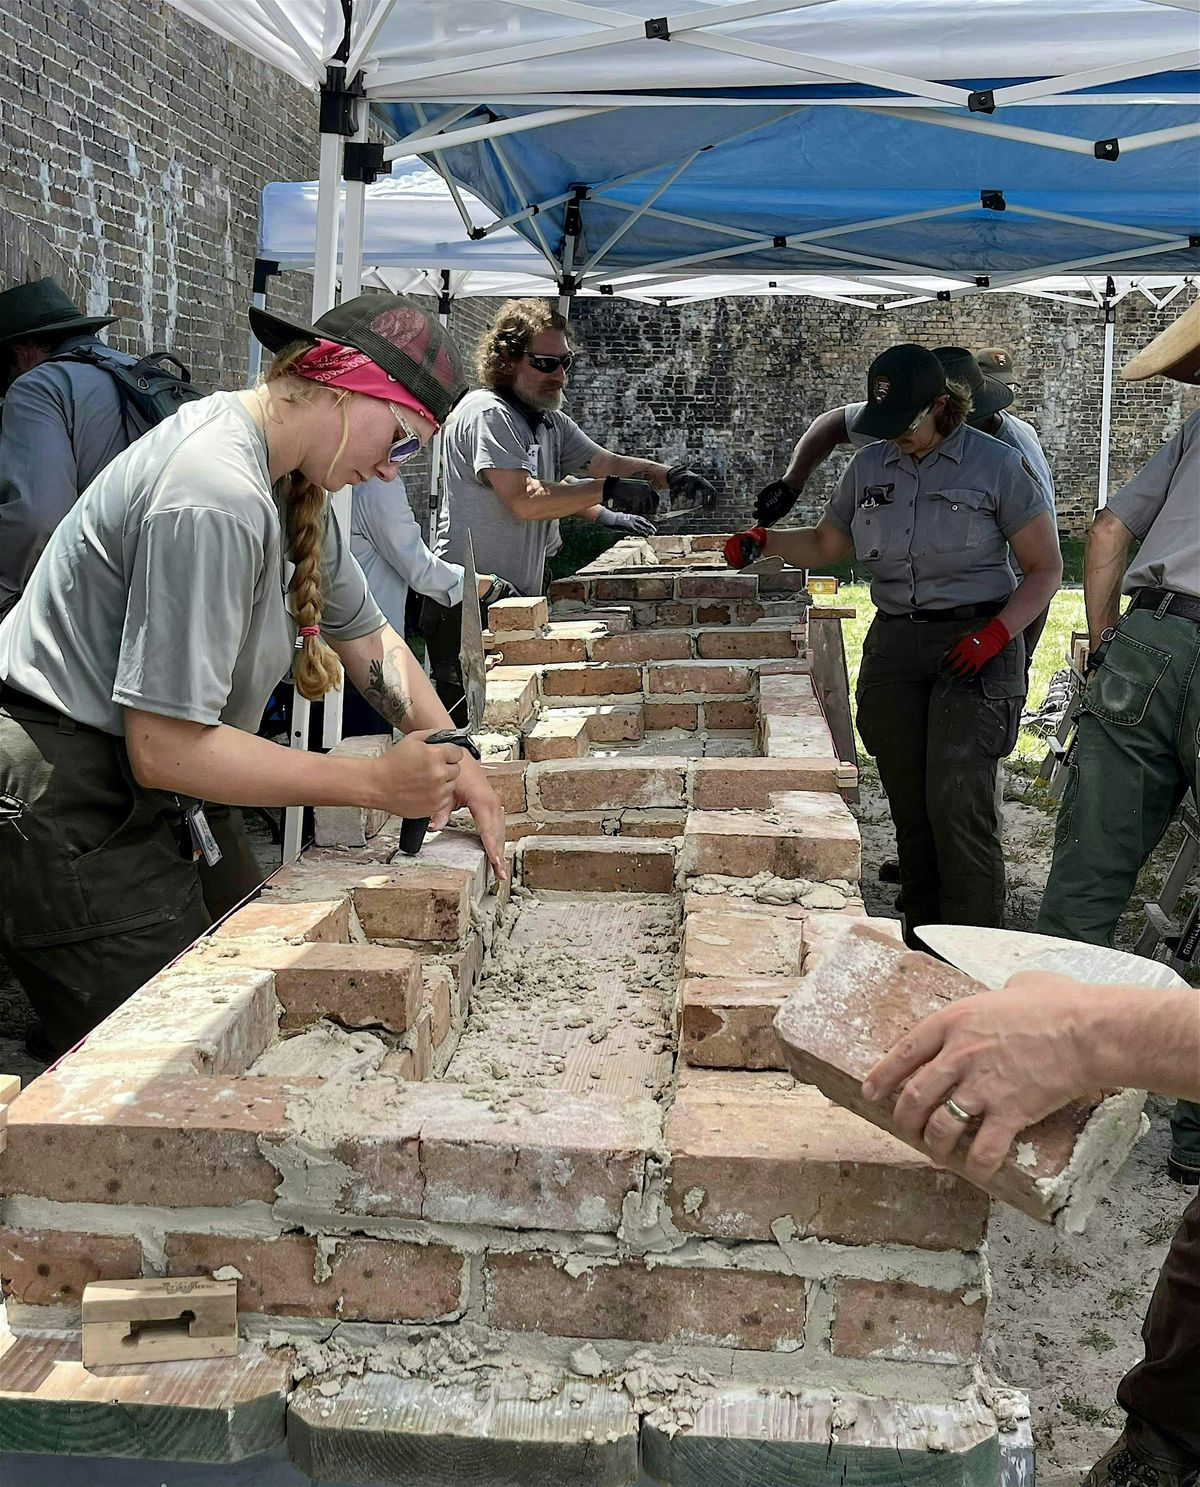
{"points": [[472, 666]]}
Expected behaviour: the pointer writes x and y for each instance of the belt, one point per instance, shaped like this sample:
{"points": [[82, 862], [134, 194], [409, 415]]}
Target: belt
{"points": [[960, 612], [1183, 605]]}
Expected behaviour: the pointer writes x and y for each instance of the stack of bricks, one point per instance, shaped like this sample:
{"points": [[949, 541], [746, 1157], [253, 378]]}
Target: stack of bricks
{"points": [[752, 1235]]}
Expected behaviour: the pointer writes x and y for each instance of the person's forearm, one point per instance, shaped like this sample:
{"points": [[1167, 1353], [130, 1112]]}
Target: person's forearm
{"points": [[815, 445], [546, 501], [1031, 597], [629, 468], [799, 546], [1143, 1038], [1105, 555], [390, 677], [223, 764]]}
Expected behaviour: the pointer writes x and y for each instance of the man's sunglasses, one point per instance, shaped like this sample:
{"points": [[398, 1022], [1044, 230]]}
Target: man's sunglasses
{"points": [[408, 441], [551, 363]]}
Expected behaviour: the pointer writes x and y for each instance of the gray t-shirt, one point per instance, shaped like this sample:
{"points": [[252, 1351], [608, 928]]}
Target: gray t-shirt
{"points": [[488, 433], [1161, 506], [165, 586], [935, 535]]}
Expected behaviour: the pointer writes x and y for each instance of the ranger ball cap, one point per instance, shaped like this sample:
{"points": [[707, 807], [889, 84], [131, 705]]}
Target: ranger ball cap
{"points": [[395, 331], [901, 382], [994, 361], [988, 394]]}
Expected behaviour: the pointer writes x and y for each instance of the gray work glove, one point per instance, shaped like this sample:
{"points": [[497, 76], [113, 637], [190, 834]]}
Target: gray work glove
{"points": [[689, 488], [633, 496], [626, 521]]}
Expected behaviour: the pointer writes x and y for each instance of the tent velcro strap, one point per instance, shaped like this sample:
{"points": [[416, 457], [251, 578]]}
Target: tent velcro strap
{"points": [[993, 201], [364, 161], [658, 29], [983, 281], [568, 284], [1106, 149], [983, 102], [943, 295]]}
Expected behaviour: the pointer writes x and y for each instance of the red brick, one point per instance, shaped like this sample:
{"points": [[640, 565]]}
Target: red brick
{"points": [[637, 1303], [356, 985], [557, 735], [714, 614], [794, 737], [748, 784], [824, 928], [424, 903], [274, 919], [615, 723], [893, 1320], [570, 590], [709, 541], [732, 944], [812, 835], [370, 1280], [730, 1024], [508, 781], [643, 645], [466, 965], [750, 644], [882, 990], [716, 586], [696, 677], [591, 679], [757, 1153], [749, 614], [517, 614], [517, 828], [543, 650], [652, 823], [49, 1267], [627, 589], [165, 1142], [438, 988], [675, 616], [740, 716], [593, 785], [662, 715], [421, 1041], [604, 866]]}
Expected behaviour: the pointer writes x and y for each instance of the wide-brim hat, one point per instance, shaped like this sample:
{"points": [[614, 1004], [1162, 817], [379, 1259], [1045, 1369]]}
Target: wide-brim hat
{"points": [[395, 331], [1174, 352], [43, 308], [988, 394], [901, 382]]}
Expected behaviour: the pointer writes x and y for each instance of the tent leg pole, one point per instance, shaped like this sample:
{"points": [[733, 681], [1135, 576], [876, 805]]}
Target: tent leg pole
{"points": [[1110, 326]]}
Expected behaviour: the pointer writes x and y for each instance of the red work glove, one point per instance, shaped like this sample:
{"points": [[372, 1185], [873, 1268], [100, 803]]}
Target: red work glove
{"points": [[744, 547], [974, 651]]}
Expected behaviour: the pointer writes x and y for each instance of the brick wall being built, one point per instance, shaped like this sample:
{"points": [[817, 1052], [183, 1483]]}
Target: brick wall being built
{"points": [[511, 1177]]}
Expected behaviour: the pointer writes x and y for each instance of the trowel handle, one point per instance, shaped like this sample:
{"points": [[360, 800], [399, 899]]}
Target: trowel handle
{"points": [[413, 828]]}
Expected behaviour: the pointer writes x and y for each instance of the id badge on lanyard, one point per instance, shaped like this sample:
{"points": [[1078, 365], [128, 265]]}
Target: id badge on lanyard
{"points": [[204, 844]]}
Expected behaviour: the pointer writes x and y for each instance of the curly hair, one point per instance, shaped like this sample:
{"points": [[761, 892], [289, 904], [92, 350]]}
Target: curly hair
{"points": [[517, 323], [958, 405], [317, 670]]}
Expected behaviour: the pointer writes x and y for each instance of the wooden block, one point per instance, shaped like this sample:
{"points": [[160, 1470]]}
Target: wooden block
{"points": [[10, 1088], [159, 1321]]}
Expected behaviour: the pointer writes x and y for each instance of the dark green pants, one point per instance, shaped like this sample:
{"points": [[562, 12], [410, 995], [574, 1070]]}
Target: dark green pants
{"points": [[96, 895], [1135, 758], [938, 742]]}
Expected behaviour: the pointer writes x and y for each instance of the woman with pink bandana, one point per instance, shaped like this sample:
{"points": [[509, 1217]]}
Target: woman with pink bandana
{"points": [[199, 569]]}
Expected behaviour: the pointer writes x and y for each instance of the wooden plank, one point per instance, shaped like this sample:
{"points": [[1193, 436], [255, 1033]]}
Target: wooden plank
{"points": [[757, 1438], [831, 680], [158, 1320], [383, 1429], [218, 1410]]}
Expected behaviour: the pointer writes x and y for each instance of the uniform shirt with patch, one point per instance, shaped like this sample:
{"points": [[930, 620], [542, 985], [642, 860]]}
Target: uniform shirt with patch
{"points": [[488, 432], [1161, 506], [935, 535], [165, 587]]}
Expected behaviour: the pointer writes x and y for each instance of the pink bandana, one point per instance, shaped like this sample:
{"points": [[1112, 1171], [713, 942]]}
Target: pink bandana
{"points": [[346, 366]]}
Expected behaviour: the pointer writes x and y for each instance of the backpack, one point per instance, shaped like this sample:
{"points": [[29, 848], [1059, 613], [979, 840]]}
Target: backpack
{"points": [[154, 387]]}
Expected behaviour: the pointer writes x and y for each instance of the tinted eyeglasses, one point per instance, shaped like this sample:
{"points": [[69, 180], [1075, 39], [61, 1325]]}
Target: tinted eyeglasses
{"points": [[551, 363], [407, 442]]}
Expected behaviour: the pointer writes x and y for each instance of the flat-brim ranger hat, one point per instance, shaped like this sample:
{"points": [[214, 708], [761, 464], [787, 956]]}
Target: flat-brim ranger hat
{"points": [[901, 383], [1174, 352], [43, 308], [988, 394], [401, 337]]}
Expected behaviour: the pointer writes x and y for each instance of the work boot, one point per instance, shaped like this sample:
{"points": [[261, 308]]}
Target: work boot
{"points": [[1185, 1176], [1123, 1465], [889, 870]]}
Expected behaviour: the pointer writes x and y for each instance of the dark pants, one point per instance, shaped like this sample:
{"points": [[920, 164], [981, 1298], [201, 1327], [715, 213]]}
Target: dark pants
{"points": [[938, 742], [1134, 759], [96, 894], [441, 630], [1161, 1394]]}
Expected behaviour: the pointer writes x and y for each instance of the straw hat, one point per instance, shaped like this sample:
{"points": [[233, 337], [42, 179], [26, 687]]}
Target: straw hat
{"points": [[1174, 352]]}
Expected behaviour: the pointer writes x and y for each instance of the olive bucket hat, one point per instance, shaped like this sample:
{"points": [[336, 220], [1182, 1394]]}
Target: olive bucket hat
{"points": [[395, 331]]}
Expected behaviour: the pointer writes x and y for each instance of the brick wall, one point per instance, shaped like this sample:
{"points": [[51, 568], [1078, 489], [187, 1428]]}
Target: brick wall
{"points": [[133, 147]]}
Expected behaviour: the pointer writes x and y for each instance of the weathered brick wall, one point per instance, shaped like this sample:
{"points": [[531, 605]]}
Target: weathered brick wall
{"points": [[135, 143]]}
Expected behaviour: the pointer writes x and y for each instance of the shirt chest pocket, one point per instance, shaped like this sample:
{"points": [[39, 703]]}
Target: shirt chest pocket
{"points": [[960, 519], [875, 525]]}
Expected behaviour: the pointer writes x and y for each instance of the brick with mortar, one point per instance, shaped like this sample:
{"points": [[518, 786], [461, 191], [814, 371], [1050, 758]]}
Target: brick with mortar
{"points": [[637, 1303], [509, 701], [747, 1152], [423, 904], [355, 985], [626, 590], [557, 734], [508, 781], [824, 928], [715, 614], [814, 836], [544, 650], [674, 616], [750, 614], [269, 918], [612, 722], [591, 679], [716, 586], [730, 1024], [662, 715], [734, 944], [604, 866], [750, 644], [652, 823], [643, 645], [517, 828], [594, 784], [517, 614], [906, 1323], [438, 989], [698, 677], [794, 737], [50, 1267], [748, 784], [571, 591], [738, 716]]}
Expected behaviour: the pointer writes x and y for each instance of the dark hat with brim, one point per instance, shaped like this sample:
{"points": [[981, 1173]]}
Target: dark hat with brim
{"points": [[988, 394], [395, 331], [994, 361], [901, 383], [43, 308]]}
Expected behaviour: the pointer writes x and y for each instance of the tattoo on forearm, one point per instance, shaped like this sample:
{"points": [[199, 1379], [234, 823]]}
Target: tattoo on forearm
{"points": [[385, 692]]}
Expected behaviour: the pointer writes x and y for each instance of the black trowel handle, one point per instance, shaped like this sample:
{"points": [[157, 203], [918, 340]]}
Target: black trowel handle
{"points": [[413, 828]]}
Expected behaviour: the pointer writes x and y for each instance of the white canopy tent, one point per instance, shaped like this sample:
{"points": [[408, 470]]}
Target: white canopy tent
{"points": [[975, 145]]}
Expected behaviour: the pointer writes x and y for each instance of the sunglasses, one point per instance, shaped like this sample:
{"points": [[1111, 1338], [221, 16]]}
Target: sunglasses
{"points": [[551, 363], [409, 441], [917, 420]]}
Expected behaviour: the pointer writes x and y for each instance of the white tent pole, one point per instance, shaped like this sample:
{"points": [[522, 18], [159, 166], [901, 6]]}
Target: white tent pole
{"points": [[1095, 77], [420, 144], [1110, 326], [451, 183], [978, 124], [616, 236], [362, 48], [435, 444], [284, 25], [511, 177], [431, 127]]}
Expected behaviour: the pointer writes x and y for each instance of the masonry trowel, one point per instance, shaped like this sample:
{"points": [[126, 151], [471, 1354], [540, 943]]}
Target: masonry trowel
{"points": [[473, 668], [993, 955]]}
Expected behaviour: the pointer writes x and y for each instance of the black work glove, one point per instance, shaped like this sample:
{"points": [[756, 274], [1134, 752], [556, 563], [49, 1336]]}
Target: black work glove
{"points": [[688, 488], [499, 588], [774, 502], [629, 495]]}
